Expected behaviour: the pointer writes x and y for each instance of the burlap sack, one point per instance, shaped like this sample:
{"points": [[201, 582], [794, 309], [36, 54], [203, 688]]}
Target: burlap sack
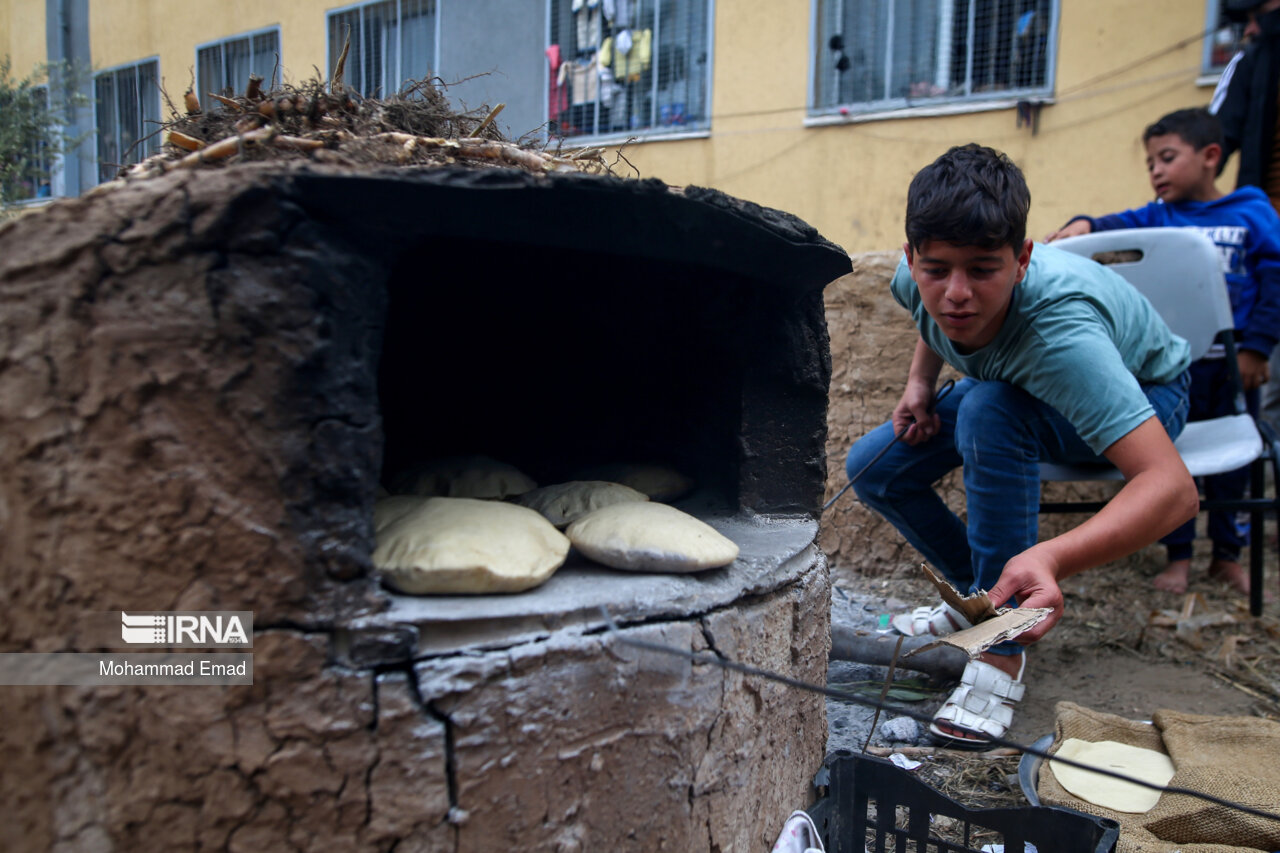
{"points": [[1192, 737], [1235, 758]]}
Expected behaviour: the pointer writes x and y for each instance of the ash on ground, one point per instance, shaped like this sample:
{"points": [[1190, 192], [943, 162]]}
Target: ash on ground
{"points": [[849, 722]]}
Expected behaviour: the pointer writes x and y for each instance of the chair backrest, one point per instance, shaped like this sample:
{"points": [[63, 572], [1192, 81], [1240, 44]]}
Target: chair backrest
{"points": [[1179, 271]]}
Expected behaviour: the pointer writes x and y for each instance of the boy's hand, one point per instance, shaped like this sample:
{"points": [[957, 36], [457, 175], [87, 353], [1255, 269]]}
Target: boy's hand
{"points": [[1031, 580], [913, 410], [1254, 370], [1071, 229]]}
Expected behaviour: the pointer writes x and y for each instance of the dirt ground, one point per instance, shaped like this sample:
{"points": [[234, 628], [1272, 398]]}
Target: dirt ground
{"points": [[1123, 647]]}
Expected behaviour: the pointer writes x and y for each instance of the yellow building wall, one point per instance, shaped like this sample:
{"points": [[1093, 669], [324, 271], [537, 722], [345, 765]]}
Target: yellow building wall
{"points": [[1115, 75], [22, 34], [126, 31], [1119, 66]]}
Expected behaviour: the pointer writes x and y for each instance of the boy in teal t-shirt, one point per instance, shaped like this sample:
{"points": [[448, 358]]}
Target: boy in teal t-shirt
{"points": [[1064, 361]]}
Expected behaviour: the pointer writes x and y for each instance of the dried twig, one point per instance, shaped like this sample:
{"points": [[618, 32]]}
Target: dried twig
{"points": [[189, 143], [231, 103], [488, 120], [335, 82]]}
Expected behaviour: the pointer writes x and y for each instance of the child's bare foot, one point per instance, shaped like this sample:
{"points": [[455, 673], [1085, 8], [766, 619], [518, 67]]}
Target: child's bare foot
{"points": [[1174, 577], [1230, 572]]}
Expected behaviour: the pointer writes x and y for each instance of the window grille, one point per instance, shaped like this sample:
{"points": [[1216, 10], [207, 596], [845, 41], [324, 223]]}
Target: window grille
{"points": [[224, 67], [34, 178], [1223, 40], [127, 116], [889, 54], [623, 66], [392, 43]]}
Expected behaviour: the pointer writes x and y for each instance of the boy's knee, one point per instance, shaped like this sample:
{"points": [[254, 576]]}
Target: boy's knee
{"points": [[989, 413]]}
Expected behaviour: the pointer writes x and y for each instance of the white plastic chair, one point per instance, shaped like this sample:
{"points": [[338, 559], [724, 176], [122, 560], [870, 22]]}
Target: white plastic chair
{"points": [[1180, 271]]}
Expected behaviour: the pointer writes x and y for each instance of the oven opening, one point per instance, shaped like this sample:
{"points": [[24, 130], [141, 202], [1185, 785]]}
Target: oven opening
{"points": [[557, 362]]}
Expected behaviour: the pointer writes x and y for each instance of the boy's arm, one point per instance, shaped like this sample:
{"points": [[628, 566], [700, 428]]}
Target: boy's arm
{"points": [[913, 408], [1158, 495], [1077, 225]]}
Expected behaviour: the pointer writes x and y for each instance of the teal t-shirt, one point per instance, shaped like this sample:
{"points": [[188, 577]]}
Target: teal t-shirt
{"points": [[1077, 337]]}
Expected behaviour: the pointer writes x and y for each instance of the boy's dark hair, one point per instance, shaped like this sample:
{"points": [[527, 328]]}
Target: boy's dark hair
{"points": [[970, 196], [1196, 126]]}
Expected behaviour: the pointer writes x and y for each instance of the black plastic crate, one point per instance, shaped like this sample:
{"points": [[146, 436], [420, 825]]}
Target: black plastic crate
{"points": [[872, 806]]}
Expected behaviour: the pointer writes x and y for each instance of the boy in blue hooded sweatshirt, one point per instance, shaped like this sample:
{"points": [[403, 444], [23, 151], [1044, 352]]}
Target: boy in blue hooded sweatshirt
{"points": [[1184, 151]]}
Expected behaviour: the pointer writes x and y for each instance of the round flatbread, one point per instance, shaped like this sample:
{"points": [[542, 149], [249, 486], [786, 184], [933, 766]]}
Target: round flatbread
{"points": [[464, 477], [659, 482], [564, 503], [462, 545], [650, 537], [1108, 791]]}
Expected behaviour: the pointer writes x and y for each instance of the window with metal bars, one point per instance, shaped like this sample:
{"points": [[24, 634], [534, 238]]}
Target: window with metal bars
{"points": [[392, 43], [889, 54], [223, 67], [126, 116], [623, 66], [1223, 38]]}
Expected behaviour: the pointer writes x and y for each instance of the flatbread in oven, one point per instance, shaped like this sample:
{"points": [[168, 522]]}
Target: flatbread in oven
{"points": [[464, 477], [650, 537], [461, 545], [1108, 791], [659, 482], [564, 503]]}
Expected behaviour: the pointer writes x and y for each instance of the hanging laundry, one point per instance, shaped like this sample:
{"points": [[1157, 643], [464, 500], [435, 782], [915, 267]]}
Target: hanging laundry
{"points": [[629, 65], [618, 13], [558, 93], [588, 24]]}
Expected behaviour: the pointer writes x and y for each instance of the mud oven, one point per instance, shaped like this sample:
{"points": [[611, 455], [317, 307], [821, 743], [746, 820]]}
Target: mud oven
{"points": [[203, 378]]}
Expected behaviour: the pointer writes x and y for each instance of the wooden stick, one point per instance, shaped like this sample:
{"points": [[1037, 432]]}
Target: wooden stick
{"points": [[181, 140], [1237, 685], [488, 120], [223, 148], [297, 143], [227, 102]]}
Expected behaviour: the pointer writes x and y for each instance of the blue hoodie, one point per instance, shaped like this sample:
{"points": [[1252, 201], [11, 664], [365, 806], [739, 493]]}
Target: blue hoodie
{"points": [[1246, 230]]}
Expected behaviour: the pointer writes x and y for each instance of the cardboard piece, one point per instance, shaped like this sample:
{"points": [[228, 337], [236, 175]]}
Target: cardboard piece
{"points": [[990, 625]]}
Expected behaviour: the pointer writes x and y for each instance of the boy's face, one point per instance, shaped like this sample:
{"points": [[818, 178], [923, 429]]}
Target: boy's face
{"points": [[966, 289], [1178, 171]]}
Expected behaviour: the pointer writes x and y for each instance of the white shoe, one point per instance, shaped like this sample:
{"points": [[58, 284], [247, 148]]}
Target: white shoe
{"points": [[980, 705], [938, 621]]}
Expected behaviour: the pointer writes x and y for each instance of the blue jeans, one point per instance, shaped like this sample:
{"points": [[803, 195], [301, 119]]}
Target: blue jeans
{"points": [[1000, 434]]}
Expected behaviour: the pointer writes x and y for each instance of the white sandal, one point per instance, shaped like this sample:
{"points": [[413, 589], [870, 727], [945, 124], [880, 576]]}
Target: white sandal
{"points": [[979, 705], [936, 621]]}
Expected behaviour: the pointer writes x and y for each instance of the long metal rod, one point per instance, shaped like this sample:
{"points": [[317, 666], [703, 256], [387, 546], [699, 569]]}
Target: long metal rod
{"points": [[942, 392]]}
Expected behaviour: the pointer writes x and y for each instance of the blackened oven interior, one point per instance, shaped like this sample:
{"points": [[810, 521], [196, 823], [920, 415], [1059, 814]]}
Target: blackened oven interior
{"points": [[553, 361]]}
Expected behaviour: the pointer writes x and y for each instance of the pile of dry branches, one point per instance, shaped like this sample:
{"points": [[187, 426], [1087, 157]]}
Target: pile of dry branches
{"points": [[333, 124]]}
